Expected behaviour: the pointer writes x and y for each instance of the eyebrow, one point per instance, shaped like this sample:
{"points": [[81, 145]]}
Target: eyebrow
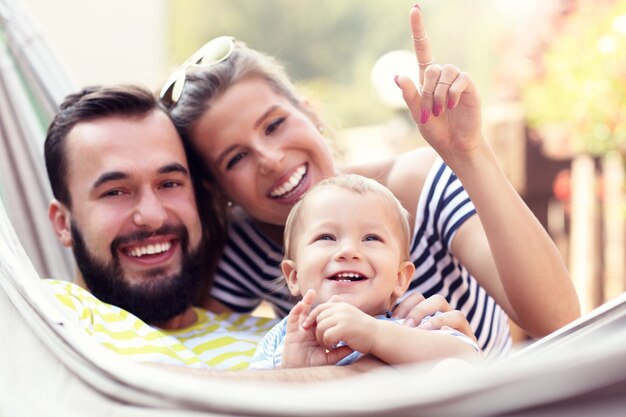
{"points": [[108, 177], [174, 167], [120, 175], [264, 115], [258, 122]]}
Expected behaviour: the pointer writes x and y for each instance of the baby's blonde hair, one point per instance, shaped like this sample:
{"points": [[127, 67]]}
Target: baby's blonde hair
{"points": [[360, 185]]}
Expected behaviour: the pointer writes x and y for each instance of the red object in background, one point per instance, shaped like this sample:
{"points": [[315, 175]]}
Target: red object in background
{"points": [[562, 185]]}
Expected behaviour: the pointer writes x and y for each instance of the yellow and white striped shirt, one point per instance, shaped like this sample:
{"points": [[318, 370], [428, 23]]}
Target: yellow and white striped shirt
{"points": [[218, 341]]}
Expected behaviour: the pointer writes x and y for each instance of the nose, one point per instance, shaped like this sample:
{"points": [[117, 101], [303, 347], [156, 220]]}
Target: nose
{"points": [[270, 159], [347, 251], [149, 213]]}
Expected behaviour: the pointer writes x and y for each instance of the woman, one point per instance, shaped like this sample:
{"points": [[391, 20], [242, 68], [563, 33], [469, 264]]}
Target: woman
{"points": [[264, 147]]}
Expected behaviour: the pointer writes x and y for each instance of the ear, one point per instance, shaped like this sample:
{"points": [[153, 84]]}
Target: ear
{"points": [[403, 279], [310, 111], [59, 216], [291, 276]]}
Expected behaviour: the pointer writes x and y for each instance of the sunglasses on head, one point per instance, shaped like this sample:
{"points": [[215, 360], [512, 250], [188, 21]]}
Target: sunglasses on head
{"points": [[213, 52]]}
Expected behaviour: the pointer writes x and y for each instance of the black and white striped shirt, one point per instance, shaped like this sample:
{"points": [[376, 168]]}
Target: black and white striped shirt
{"points": [[250, 265]]}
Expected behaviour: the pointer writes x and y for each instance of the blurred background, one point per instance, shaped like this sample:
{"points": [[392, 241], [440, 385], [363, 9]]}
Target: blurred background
{"points": [[552, 74]]}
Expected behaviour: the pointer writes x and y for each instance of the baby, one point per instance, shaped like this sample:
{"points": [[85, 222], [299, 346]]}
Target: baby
{"points": [[346, 252]]}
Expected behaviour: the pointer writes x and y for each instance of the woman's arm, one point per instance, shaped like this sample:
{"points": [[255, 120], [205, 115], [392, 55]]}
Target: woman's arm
{"points": [[504, 247], [510, 253]]}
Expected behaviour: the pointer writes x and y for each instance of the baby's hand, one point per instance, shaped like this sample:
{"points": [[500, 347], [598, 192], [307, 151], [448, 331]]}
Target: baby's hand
{"points": [[301, 346], [337, 321]]}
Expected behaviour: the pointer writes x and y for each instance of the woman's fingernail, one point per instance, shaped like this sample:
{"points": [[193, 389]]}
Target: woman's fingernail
{"points": [[437, 109], [417, 6], [425, 114], [450, 103], [396, 78]]}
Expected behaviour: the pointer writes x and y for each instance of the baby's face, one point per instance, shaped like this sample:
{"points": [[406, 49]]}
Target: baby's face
{"points": [[349, 246]]}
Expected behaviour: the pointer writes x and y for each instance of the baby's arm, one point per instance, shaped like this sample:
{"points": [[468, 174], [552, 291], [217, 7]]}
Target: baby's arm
{"points": [[386, 340], [398, 345]]}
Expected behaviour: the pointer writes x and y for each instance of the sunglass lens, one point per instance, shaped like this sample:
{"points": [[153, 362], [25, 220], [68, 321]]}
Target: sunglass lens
{"points": [[215, 51], [171, 91]]}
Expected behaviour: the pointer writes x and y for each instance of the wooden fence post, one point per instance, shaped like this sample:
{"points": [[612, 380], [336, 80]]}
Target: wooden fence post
{"points": [[584, 232], [613, 197]]}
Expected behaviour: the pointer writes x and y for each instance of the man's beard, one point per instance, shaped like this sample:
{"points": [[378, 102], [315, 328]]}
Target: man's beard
{"points": [[155, 300]]}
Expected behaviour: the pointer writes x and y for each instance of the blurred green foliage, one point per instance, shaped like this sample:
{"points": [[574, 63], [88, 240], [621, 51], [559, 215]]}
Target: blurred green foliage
{"points": [[330, 46], [580, 89]]}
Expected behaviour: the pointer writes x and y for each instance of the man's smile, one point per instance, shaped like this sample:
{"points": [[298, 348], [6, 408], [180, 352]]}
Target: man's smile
{"points": [[151, 249]]}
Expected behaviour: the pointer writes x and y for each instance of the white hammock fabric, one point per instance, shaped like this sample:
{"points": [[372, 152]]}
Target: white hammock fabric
{"points": [[32, 83], [49, 365]]}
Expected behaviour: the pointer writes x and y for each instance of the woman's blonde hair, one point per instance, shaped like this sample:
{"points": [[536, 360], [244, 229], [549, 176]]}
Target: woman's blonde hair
{"points": [[205, 84]]}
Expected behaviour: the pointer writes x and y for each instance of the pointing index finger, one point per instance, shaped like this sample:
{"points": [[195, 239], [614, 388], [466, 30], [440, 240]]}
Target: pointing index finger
{"points": [[421, 42]]}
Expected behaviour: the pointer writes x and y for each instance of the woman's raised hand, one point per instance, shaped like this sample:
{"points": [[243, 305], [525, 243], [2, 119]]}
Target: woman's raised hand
{"points": [[446, 104]]}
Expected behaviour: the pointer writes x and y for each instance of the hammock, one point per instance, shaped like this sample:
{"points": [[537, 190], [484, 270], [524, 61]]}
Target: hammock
{"points": [[32, 83], [50, 366]]}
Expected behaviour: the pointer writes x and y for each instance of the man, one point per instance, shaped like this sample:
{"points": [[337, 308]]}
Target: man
{"points": [[125, 203]]}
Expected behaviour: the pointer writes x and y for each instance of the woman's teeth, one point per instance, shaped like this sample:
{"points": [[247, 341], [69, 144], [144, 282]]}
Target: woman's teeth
{"points": [[288, 186]]}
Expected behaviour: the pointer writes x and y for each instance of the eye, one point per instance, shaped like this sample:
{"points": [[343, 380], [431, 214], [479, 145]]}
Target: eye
{"points": [[171, 184], [112, 193], [275, 124], [325, 236], [372, 238], [235, 159]]}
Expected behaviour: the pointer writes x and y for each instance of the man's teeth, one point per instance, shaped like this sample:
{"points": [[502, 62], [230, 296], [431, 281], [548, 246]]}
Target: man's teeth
{"points": [[290, 184], [150, 249]]}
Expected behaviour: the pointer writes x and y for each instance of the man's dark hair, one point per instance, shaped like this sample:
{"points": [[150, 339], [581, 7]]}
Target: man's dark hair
{"points": [[89, 104]]}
